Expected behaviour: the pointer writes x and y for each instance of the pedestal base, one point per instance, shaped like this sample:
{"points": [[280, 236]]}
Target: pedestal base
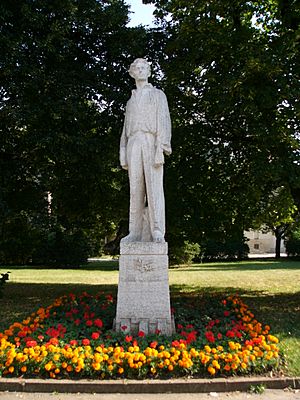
{"points": [[143, 291]]}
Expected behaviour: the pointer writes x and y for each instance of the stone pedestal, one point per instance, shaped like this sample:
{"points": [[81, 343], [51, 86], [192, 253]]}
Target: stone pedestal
{"points": [[143, 291]]}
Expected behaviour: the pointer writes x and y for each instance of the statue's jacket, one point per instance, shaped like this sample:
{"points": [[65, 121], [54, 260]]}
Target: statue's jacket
{"points": [[147, 112]]}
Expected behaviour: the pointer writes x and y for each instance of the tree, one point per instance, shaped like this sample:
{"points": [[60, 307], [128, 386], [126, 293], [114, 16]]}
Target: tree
{"points": [[63, 88], [279, 215], [230, 71]]}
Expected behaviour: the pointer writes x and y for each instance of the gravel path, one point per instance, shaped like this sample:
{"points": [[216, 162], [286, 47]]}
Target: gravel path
{"points": [[267, 395]]}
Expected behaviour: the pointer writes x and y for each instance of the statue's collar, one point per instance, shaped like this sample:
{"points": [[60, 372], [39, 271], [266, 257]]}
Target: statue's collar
{"points": [[147, 86]]}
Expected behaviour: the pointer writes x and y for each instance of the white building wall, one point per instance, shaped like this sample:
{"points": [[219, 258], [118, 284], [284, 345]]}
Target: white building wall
{"points": [[262, 243]]}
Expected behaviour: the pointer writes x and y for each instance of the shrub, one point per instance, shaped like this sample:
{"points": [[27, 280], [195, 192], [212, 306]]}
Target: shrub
{"points": [[18, 239], [185, 253], [62, 247], [225, 250], [292, 244]]}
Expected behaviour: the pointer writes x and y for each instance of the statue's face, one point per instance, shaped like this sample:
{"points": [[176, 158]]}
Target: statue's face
{"points": [[141, 71]]}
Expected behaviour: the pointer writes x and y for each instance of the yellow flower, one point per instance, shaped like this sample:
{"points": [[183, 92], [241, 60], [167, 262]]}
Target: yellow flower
{"points": [[215, 364], [207, 349], [96, 366], [48, 366], [211, 370]]}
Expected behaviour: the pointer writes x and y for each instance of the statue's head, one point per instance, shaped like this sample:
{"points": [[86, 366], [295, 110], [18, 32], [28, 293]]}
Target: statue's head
{"points": [[136, 63]]}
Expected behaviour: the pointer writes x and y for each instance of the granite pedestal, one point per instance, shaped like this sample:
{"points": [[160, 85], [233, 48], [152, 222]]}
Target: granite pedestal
{"points": [[143, 292]]}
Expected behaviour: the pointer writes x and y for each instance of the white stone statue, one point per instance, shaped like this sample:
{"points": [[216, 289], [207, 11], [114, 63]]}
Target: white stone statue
{"points": [[145, 138]]}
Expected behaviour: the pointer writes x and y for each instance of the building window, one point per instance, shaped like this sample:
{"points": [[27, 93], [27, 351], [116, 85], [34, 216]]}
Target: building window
{"points": [[256, 246]]}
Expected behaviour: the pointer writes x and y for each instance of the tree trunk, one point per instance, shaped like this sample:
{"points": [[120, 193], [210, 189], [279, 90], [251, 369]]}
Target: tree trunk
{"points": [[277, 246], [279, 231]]}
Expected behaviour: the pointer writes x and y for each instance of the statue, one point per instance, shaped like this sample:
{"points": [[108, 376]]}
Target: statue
{"points": [[145, 138]]}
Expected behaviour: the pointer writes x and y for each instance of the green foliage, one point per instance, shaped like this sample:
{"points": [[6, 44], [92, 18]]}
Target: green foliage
{"points": [[257, 389], [278, 213], [62, 248], [64, 84], [292, 243], [231, 76], [230, 249], [184, 253], [18, 238]]}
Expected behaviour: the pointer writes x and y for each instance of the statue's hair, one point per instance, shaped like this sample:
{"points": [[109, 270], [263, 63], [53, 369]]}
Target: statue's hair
{"points": [[139, 60]]}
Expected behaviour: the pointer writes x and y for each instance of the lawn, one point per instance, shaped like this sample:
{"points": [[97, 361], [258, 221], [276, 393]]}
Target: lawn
{"points": [[270, 288]]}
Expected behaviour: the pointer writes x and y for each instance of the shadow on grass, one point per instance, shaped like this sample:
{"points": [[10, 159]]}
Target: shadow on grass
{"points": [[107, 265], [280, 310], [21, 299], [241, 266]]}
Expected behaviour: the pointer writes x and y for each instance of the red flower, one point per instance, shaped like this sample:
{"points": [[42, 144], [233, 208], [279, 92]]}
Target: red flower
{"points": [[72, 296], [226, 313], [230, 334], [85, 342], [190, 326], [98, 322], [191, 337], [179, 326], [141, 334], [124, 327], [89, 322], [69, 314], [128, 339], [219, 335], [77, 321], [210, 336], [153, 344], [73, 342], [54, 333], [157, 331], [31, 343], [95, 335]]}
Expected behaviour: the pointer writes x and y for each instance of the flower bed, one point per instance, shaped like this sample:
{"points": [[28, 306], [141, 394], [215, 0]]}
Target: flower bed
{"points": [[73, 338]]}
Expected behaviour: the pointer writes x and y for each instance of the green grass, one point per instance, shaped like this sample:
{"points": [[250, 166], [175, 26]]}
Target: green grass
{"points": [[270, 288]]}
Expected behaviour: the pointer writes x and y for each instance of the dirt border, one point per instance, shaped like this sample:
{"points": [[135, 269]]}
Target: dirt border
{"points": [[145, 386]]}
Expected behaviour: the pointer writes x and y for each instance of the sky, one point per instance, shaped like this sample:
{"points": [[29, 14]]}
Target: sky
{"points": [[143, 13]]}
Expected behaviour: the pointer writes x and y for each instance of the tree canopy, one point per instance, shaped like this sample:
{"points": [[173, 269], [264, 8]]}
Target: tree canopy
{"points": [[232, 73], [230, 70]]}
